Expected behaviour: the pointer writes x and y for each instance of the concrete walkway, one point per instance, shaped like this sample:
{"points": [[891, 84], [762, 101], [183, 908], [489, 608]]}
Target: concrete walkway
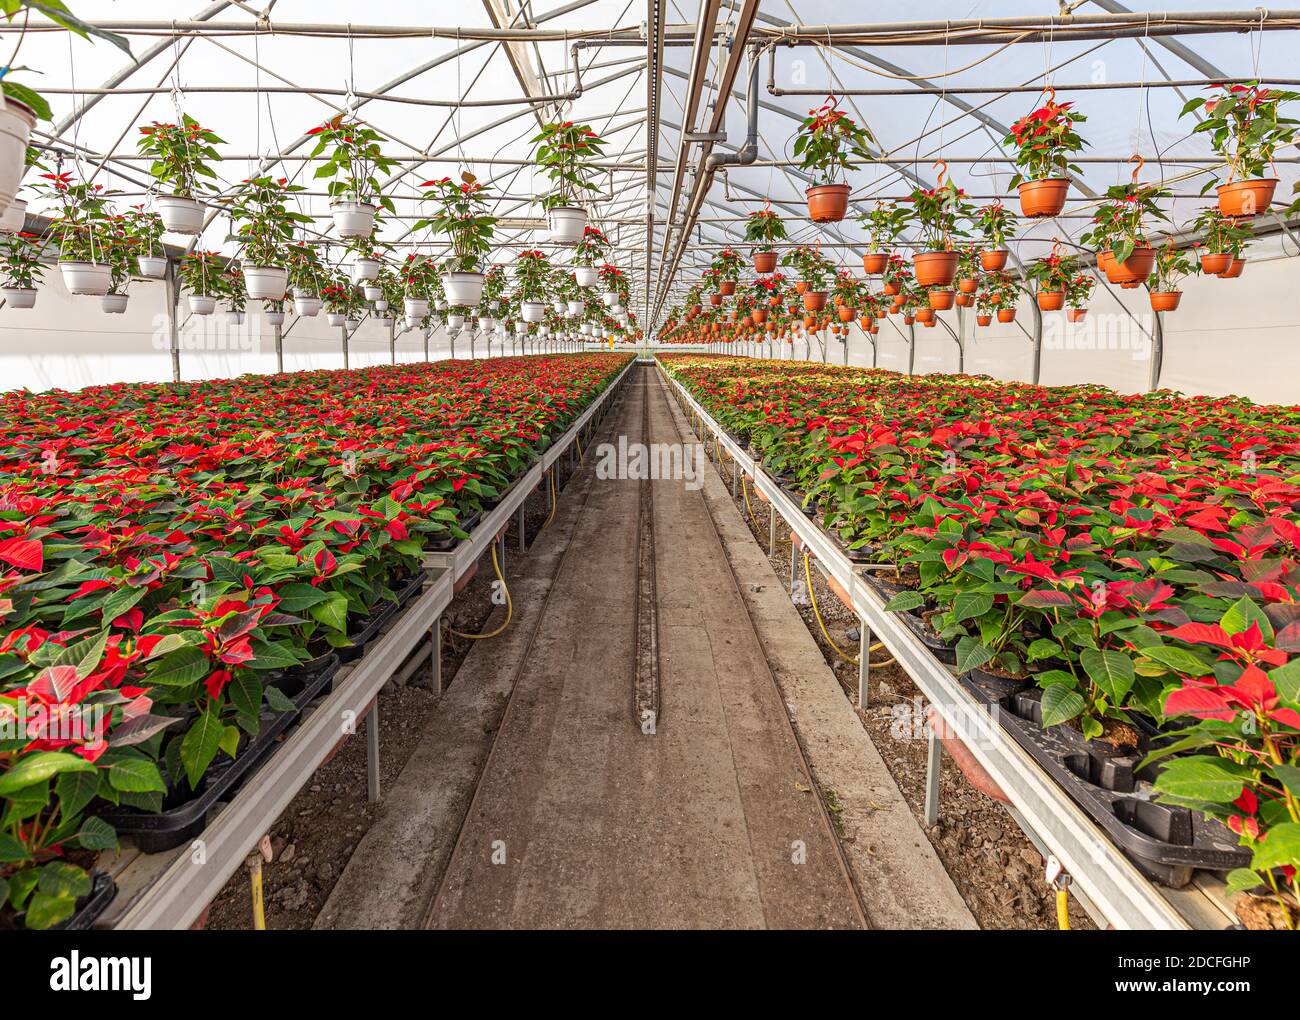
{"points": [[581, 820]]}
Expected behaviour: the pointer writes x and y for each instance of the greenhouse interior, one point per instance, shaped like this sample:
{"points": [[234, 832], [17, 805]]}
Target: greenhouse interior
{"points": [[731, 464]]}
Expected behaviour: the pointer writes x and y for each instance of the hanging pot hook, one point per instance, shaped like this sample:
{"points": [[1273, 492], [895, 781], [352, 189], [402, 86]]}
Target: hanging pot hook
{"points": [[1050, 92], [942, 166], [1137, 157]]}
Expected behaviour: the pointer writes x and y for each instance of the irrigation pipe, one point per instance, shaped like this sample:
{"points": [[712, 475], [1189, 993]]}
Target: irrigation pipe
{"points": [[812, 595], [496, 569]]}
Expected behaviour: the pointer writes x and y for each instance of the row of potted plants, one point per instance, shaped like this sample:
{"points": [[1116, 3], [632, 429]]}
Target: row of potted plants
{"points": [[1132, 559], [173, 556]]}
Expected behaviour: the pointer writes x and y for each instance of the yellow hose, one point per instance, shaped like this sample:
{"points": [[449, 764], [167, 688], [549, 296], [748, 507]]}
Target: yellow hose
{"points": [[745, 489], [812, 595], [1063, 909], [496, 569], [259, 906], [577, 439], [551, 516]]}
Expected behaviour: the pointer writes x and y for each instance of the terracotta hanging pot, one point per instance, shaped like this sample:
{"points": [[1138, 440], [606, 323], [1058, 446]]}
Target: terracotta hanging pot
{"points": [[726, 287], [800, 286], [759, 315], [965, 300], [899, 300], [994, 260], [847, 313], [968, 285], [908, 318], [873, 263], [866, 322], [814, 300], [1131, 284], [1136, 268], [715, 299], [1234, 270], [1165, 300], [1214, 263], [810, 321], [1075, 314], [983, 319], [924, 315], [696, 309], [930, 323], [890, 288], [1043, 198], [935, 268], [1006, 315], [1246, 198], [764, 262], [774, 300], [941, 300], [827, 203], [1051, 300]]}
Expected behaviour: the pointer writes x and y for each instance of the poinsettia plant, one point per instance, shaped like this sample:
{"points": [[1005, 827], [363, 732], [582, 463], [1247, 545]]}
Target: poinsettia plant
{"points": [[812, 268], [830, 142], [593, 248], [1044, 140], [1119, 225], [532, 274], [266, 223], [462, 215], [1245, 125], [355, 161], [200, 272], [1172, 265], [764, 228], [20, 260], [1054, 271], [939, 213], [182, 155], [884, 224], [565, 151], [997, 225], [727, 265]]}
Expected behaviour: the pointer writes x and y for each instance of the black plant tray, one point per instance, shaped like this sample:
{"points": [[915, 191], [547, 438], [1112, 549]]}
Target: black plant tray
{"points": [[446, 543], [102, 891], [1165, 842], [170, 828], [796, 497], [887, 589], [855, 556], [939, 648], [379, 619]]}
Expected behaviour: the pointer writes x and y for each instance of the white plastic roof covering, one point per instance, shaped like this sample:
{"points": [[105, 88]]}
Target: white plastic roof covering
{"points": [[68, 342]]}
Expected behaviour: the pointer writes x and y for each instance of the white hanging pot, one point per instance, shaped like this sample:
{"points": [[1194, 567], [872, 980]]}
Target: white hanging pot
{"points": [[587, 276], [415, 307], [372, 293], [543, 329], [485, 323], [364, 269], [353, 219], [413, 321], [265, 283], [616, 308], [274, 318], [585, 329], [19, 297], [90, 278], [441, 305], [463, 288], [16, 123], [381, 303], [532, 311], [567, 224], [455, 321], [153, 267], [234, 318], [575, 308], [559, 306], [336, 318], [114, 304], [453, 331], [179, 215], [202, 304], [306, 305], [13, 219], [384, 320]]}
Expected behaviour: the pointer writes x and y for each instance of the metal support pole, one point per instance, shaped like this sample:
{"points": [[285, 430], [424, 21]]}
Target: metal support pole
{"points": [[172, 297], [501, 551], [933, 763], [523, 534], [794, 566], [344, 330], [372, 752], [864, 662], [1157, 352], [392, 342], [771, 530], [279, 349], [435, 657]]}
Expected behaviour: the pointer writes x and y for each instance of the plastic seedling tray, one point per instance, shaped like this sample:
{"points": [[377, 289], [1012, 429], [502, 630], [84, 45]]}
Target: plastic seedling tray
{"points": [[102, 891], [379, 619], [1166, 842]]}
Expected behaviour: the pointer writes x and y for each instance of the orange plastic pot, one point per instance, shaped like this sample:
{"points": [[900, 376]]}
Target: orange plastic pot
{"points": [[1246, 198], [1006, 315], [935, 268], [847, 313], [814, 300], [726, 287], [715, 299], [1043, 198], [1136, 268], [965, 300], [983, 319], [1234, 270], [1075, 314], [1131, 284], [993, 260], [764, 261], [827, 203], [968, 285], [941, 300], [1051, 300], [924, 316], [1214, 263], [873, 263], [759, 315], [810, 322], [930, 323], [908, 319], [800, 286], [866, 322], [890, 288], [696, 309], [1165, 300]]}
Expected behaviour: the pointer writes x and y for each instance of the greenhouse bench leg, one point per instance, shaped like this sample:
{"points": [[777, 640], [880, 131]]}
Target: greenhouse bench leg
{"points": [[864, 662], [372, 752], [771, 531], [435, 658], [523, 535], [933, 762]]}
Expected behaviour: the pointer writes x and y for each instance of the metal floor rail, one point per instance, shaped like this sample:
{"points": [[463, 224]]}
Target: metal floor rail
{"points": [[1110, 884], [171, 890]]}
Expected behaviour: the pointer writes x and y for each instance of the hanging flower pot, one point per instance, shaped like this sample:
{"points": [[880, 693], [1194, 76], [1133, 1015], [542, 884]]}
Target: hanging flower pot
{"points": [[154, 267], [114, 304], [364, 269], [759, 315], [455, 320], [415, 307], [935, 268], [873, 263], [1214, 263], [715, 299], [924, 316], [968, 284], [202, 304], [266, 283], [234, 317], [866, 322], [307, 304], [381, 303], [19, 297], [336, 318], [941, 300], [610, 298], [1131, 284], [180, 215], [1165, 300], [983, 319], [532, 311], [1135, 269], [463, 288], [274, 318], [1075, 314], [827, 203], [1006, 315], [1234, 270], [14, 218], [1051, 300], [993, 261], [566, 223], [846, 313], [92, 278], [586, 276], [1043, 198], [965, 300], [890, 289], [353, 219], [764, 262], [930, 323], [574, 308], [908, 318], [726, 287], [1242, 199], [814, 300], [17, 120], [372, 294]]}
